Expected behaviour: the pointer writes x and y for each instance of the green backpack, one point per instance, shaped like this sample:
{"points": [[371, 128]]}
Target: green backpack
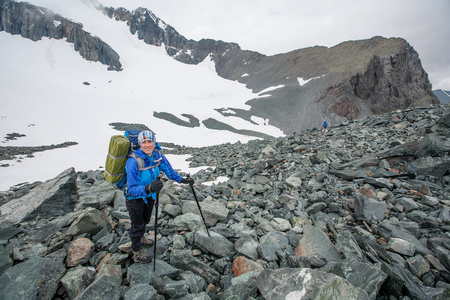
{"points": [[118, 151], [121, 147]]}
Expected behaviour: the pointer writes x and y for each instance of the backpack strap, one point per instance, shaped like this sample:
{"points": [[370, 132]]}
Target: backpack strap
{"points": [[141, 162], [141, 166]]}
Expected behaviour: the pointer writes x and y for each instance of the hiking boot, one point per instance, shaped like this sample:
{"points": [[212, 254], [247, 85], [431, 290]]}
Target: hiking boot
{"points": [[146, 242], [141, 256]]}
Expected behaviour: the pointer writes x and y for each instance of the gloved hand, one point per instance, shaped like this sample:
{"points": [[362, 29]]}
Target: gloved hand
{"points": [[154, 187], [187, 180]]}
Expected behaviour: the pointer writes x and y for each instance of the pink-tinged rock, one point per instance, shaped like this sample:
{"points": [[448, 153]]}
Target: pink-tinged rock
{"points": [[80, 252]]}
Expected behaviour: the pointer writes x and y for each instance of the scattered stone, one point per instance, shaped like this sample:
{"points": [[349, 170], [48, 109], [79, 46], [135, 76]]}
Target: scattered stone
{"points": [[401, 246], [80, 252], [77, 280], [307, 247], [305, 215]]}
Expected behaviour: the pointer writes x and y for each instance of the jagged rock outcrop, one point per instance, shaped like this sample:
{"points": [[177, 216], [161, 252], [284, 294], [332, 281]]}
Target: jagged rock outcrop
{"points": [[34, 23], [53, 198]]}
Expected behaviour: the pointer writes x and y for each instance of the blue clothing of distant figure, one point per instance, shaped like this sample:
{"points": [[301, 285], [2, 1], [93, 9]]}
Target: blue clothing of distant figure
{"points": [[325, 124], [136, 181]]}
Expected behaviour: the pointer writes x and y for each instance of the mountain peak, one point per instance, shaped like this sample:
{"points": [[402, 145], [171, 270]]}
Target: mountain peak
{"points": [[351, 80]]}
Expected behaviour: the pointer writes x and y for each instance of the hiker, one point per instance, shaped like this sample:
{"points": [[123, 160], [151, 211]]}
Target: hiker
{"points": [[325, 125], [141, 190]]}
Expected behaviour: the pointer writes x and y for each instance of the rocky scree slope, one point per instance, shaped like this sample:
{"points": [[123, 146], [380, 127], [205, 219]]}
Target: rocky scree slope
{"points": [[352, 80], [361, 212]]}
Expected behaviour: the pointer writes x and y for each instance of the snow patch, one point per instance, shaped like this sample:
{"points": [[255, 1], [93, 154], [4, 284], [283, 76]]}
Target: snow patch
{"points": [[217, 181], [269, 89], [302, 82]]}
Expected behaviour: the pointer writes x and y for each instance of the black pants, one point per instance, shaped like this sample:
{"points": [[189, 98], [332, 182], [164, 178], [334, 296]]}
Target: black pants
{"points": [[140, 214]]}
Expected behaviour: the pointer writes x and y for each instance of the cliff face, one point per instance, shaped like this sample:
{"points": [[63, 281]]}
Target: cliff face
{"points": [[154, 31], [352, 80], [390, 81], [32, 22]]}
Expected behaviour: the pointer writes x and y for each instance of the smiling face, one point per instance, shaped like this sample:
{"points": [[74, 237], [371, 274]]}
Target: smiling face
{"points": [[148, 146]]}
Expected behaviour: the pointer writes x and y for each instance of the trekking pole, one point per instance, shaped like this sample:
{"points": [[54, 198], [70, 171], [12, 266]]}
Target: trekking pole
{"points": [[198, 204], [156, 226]]}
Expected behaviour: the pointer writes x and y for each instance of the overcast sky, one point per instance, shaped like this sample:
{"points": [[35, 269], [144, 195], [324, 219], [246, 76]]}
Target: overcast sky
{"points": [[278, 26]]}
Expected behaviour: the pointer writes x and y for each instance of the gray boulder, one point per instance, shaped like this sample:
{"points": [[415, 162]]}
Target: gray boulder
{"points": [[195, 282], [54, 197], [306, 284], [444, 256], [77, 280], [90, 221], [408, 203], [294, 181], [390, 231], [101, 194], [5, 260], [418, 265], [140, 292], [187, 221], [348, 244], [307, 247], [104, 287], [215, 244], [247, 246], [213, 211], [187, 262], [143, 273], [36, 278], [369, 209], [361, 274], [270, 243], [242, 290]]}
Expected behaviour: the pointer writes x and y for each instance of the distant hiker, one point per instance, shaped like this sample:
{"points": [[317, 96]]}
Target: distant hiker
{"points": [[141, 190], [325, 125]]}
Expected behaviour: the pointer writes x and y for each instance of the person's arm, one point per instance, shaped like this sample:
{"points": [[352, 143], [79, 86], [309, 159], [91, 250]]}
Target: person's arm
{"points": [[168, 170], [134, 189]]}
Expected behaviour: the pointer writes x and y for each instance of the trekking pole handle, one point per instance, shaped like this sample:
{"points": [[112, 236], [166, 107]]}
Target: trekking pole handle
{"points": [[189, 176]]}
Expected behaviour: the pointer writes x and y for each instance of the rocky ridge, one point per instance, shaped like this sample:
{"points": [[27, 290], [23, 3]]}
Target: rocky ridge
{"points": [[34, 23], [352, 80], [361, 212]]}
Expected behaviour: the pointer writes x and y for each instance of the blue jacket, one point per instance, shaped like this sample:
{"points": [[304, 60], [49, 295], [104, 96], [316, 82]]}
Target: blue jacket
{"points": [[136, 181]]}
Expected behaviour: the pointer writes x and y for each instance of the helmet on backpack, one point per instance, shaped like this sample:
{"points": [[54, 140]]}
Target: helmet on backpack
{"points": [[146, 135]]}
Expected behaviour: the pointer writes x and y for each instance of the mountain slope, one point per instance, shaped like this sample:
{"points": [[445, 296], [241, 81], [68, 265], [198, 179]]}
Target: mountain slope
{"points": [[352, 80], [44, 100]]}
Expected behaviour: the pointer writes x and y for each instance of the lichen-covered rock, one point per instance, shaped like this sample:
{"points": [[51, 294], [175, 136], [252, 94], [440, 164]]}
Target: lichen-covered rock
{"points": [[36, 278], [306, 284]]}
